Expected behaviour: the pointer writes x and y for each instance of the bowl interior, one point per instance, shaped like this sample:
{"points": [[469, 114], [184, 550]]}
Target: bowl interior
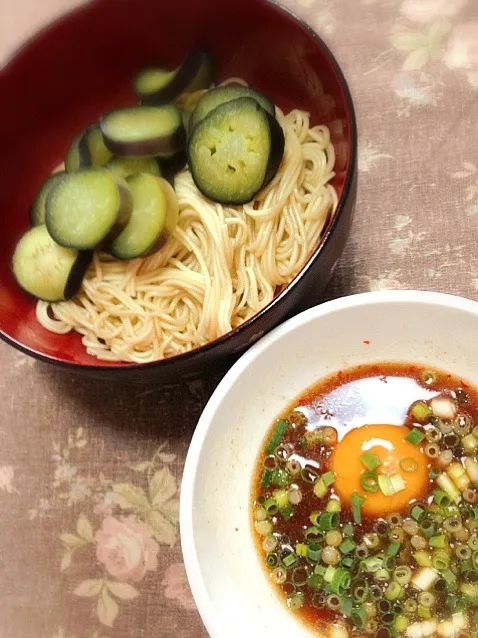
{"points": [[227, 579], [82, 66]]}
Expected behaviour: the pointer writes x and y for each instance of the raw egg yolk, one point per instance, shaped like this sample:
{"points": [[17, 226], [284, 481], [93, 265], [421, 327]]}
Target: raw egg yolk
{"points": [[388, 444]]}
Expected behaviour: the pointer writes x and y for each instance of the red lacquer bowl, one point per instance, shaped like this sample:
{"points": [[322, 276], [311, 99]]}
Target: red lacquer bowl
{"points": [[82, 65]]}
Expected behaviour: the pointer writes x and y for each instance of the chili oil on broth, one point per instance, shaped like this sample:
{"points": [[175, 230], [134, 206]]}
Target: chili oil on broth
{"points": [[372, 409]]}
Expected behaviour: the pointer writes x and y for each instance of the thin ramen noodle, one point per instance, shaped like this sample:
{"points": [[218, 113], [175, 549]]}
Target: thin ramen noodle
{"points": [[222, 265]]}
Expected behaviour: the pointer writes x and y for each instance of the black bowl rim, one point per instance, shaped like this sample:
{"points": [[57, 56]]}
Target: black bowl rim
{"points": [[125, 367]]}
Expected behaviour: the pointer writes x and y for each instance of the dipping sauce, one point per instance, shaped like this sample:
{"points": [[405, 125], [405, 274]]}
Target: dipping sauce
{"points": [[364, 504]]}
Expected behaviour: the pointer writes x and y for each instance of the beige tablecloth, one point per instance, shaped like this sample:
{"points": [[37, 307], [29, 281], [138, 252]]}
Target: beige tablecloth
{"points": [[89, 473]]}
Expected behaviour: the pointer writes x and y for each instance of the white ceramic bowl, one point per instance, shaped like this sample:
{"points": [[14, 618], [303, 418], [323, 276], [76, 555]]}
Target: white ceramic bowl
{"points": [[228, 582]]}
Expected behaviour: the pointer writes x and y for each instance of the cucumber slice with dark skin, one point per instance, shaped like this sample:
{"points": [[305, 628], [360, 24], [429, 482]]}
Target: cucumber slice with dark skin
{"points": [[37, 213], [87, 149], [209, 100], [87, 208], [124, 167], [144, 131], [46, 270], [147, 230], [231, 149], [159, 86], [173, 164]]}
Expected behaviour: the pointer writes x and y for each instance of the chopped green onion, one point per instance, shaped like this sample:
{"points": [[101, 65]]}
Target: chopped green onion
{"points": [[382, 575], [398, 483], [314, 518], [328, 478], [371, 461], [420, 411], [333, 602], [427, 527], [422, 559], [287, 512], [272, 560], [385, 485], [340, 581], [401, 624], [333, 506], [348, 562], [301, 549], [271, 507], [347, 546], [424, 612], [409, 465], [473, 543], [329, 574], [296, 600], [281, 498], [360, 590], [438, 541], [348, 530], [449, 576], [277, 436], [314, 534], [415, 437], [357, 501], [390, 562], [320, 488], [474, 514], [369, 482], [359, 617], [393, 549], [328, 521], [433, 474], [280, 477], [289, 560], [393, 591], [402, 574], [346, 606], [441, 498], [266, 479], [300, 576], [441, 560], [417, 512], [320, 570], [372, 564], [314, 555], [315, 581]]}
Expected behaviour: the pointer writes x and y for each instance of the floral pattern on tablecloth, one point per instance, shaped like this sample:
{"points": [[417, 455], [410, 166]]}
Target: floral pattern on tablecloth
{"points": [[90, 473]]}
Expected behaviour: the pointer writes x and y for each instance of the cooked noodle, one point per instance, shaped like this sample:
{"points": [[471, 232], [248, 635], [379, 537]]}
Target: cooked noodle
{"points": [[221, 266]]}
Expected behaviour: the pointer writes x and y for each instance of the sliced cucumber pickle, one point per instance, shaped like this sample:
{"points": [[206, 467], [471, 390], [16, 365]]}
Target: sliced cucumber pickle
{"points": [[144, 130], [87, 149], [37, 213], [124, 167], [87, 208], [209, 100], [46, 270], [148, 228], [231, 149], [159, 86]]}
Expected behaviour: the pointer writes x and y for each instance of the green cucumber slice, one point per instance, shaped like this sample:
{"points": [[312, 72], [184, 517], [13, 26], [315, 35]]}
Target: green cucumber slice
{"points": [[213, 98], [124, 167], [46, 270], [87, 149], [229, 151], [37, 213], [159, 86], [86, 208], [144, 130], [147, 229]]}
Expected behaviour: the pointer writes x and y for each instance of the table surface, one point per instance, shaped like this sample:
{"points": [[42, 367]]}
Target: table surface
{"points": [[90, 473]]}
